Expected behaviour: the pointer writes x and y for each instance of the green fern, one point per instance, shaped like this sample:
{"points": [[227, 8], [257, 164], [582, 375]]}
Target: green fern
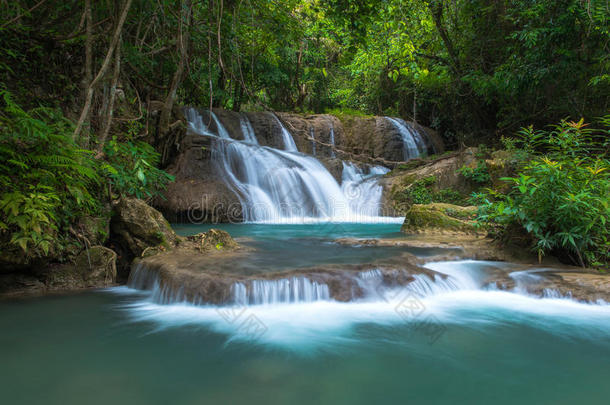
{"points": [[46, 179]]}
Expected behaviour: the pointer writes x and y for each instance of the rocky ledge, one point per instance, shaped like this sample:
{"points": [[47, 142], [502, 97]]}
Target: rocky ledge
{"points": [[136, 230], [186, 276]]}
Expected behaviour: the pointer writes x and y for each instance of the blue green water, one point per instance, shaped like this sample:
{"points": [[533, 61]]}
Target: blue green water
{"points": [[467, 346], [278, 247], [327, 230]]}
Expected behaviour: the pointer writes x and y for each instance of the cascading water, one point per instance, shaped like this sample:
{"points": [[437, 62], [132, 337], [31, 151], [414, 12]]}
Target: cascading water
{"points": [[332, 140], [286, 290], [313, 140], [277, 186], [289, 144], [247, 130], [196, 124], [413, 143], [362, 190]]}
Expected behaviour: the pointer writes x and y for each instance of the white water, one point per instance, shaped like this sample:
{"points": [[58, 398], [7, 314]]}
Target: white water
{"points": [[332, 140], [413, 143], [283, 186], [289, 144], [197, 125], [363, 191], [314, 321], [247, 130], [286, 290]]}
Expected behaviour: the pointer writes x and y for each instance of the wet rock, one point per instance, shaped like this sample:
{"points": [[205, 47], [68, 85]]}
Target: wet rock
{"points": [[575, 283], [200, 194], [214, 239], [92, 268], [137, 226], [185, 276], [440, 218], [444, 170]]}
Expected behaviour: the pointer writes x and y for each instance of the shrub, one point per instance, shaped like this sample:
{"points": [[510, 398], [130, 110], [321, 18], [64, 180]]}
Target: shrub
{"points": [[561, 194], [45, 178], [478, 175], [422, 192], [132, 169]]}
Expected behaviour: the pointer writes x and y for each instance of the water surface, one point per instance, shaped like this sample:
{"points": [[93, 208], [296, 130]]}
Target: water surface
{"points": [[467, 344]]}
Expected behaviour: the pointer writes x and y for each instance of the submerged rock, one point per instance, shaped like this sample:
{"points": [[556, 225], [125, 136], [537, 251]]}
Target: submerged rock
{"points": [[566, 282], [440, 218]]}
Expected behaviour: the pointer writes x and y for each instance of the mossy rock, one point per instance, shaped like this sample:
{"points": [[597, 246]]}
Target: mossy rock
{"points": [[440, 218], [93, 267], [214, 240], [140, 226]]}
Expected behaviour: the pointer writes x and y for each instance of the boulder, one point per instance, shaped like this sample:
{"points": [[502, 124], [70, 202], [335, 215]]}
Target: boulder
{"points": [[93, 267], [214, 239], [440, 218], [136, 226]]}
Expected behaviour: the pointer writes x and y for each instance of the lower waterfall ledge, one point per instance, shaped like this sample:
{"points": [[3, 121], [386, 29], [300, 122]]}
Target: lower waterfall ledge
{"points": [[183, 276], [186, 276]]}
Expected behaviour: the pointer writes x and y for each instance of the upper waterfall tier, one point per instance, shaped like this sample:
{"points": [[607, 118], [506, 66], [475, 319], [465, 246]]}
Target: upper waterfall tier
{"points": [[259, 166], [284, 186], [374, 140]]}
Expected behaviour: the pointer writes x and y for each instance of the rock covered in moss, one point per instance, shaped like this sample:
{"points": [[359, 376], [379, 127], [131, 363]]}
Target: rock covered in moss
{"points": [[440, 218], [214, 239], [137, 226], [92, 268]]}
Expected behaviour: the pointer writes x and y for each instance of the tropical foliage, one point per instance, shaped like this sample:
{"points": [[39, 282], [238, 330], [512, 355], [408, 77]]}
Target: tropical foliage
{"points": [[88, 85], [48, 182], [561, 196]]}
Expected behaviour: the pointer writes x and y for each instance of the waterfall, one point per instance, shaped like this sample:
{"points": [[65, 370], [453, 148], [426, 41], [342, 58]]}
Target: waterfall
{"points": [[413, 143], [332, 140], [285, 290], [362, 190], [313, 140], [197, 125], [278, 186], [289, 144], [247, 130]]}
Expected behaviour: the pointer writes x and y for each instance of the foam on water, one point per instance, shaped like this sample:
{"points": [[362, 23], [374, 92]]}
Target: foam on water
{"points": [[318, 323], [302, 326]]}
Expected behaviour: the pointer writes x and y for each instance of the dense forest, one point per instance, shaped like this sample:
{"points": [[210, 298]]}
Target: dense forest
{"points": [[89, 89]]}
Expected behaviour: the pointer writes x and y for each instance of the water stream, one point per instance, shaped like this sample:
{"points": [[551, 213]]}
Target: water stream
{"points": [[413, 143], [444, 337], [285, 186], [451, 340]]}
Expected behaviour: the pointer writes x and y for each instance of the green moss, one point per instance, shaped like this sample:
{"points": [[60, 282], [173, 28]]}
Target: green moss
{"points": [[423, 191], [439, 218], [344, 113]]}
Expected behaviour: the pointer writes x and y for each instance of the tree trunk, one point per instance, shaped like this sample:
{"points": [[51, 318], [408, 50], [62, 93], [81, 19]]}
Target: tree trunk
{"points": [[182, 44], [110, 110], [113, 44], [436, 8]]}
